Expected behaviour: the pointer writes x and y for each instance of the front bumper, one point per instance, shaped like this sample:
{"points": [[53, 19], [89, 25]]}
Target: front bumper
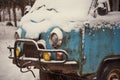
{"points": [[65, 66]]}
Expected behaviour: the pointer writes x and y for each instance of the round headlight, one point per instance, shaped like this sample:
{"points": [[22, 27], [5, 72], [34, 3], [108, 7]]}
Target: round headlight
{"points": [[56, 38]]}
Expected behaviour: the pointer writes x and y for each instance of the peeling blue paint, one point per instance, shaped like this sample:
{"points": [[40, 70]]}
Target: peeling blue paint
{"points": [[97, 47], [71, 43], [99, 43]]}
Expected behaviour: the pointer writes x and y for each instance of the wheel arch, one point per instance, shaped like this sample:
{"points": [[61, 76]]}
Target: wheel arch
{"points": [[107, 60]]}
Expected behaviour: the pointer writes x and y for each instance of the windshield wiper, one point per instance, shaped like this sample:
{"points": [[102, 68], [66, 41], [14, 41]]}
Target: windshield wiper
{"points": [[53, 10]]}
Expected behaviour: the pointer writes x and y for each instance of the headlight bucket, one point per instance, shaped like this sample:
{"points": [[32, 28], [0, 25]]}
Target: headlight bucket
{"points": [[56, 37]]}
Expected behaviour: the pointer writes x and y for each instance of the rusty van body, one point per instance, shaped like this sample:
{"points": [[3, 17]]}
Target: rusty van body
{"points": [[67, 44]]}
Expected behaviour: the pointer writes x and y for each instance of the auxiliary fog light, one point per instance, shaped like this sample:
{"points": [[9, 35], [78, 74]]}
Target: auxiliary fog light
{"points": [[18, 51], [46, 56]]}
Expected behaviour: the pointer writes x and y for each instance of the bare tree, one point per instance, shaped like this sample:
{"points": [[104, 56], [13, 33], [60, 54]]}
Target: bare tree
{"points": [[8, 8], [5, 4], [14, 12], [12, 4], [2, 6]]}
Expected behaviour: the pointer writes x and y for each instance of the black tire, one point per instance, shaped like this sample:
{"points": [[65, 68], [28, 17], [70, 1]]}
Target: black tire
{"points": [[111, 72], [49, 76], [44, 75]]}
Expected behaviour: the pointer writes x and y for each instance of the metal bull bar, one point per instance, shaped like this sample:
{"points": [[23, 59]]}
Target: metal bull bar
{"points": [[40, 51]]}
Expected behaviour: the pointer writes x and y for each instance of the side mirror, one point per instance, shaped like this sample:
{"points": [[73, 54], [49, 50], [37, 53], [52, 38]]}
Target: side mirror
{"points": [[102, 9]]}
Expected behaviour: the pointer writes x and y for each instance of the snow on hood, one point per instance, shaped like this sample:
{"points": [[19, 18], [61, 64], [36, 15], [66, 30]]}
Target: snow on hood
{"points": [[67, 14], [63, 10], [36, 28]]}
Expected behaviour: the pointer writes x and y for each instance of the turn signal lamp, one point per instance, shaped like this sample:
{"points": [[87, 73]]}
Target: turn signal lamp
{"points": [[59, 56]]}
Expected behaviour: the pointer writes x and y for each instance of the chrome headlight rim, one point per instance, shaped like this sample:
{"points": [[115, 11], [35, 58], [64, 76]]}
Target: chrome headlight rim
{"points": [[56, 38]]}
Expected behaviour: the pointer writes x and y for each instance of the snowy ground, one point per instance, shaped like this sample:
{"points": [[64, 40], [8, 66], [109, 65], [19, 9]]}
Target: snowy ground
{"points": [[9, 71]]}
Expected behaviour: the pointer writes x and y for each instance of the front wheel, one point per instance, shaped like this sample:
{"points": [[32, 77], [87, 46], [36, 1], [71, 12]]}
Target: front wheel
{"points": [[49, 76], [114, 74], [44, 75], [111, 72]]}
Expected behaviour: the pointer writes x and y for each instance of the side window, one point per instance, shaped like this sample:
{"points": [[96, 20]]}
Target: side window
{"points": [[114, 5]]}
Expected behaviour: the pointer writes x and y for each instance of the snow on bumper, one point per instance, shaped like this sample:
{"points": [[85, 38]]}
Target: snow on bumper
{"points": [[38, 50]]}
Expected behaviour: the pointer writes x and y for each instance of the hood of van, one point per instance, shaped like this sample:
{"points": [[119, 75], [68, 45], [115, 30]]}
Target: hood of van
{"points": [[58, 10], [67, 14]]}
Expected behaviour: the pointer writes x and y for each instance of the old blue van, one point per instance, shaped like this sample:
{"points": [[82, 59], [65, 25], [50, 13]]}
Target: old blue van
{"points": [[70, 40]]}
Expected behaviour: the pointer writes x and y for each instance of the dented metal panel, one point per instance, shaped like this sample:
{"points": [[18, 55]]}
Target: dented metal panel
{"points": [[99, 43]]}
